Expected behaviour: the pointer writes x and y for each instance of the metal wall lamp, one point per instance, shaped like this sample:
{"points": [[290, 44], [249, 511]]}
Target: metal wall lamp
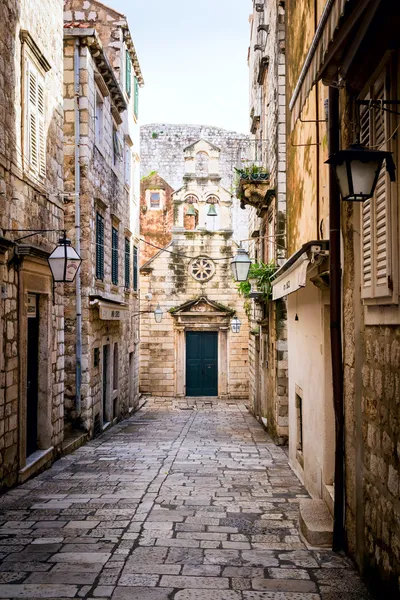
{"points": [[357, 170], [157, 312], [64, 261]]}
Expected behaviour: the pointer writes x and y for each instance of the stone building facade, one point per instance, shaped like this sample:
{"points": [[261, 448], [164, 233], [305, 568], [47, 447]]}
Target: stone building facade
{"points": [[31, 197], [363, 62], [267, 214], [162, 151], [156, 215], [101, 88], [193, 351]]}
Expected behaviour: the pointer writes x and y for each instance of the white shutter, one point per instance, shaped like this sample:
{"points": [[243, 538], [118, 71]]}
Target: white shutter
{"points": [[41, 127], [375, 213], [35, 120]]}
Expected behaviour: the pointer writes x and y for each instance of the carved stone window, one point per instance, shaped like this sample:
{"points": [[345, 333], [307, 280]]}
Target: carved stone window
{"points": [[202, 269]]}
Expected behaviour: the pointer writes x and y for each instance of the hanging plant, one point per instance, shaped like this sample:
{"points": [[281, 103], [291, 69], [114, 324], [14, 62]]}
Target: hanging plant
{"points": [[263, 273]]}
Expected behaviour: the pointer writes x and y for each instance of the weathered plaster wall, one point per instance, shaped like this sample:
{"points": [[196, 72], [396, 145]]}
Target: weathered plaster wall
{"points": [[27, 202], [155, 224], [162, 148]]}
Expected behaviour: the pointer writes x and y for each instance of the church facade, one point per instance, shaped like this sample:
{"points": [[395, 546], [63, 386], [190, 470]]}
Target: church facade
{"points": [[193, 350]]}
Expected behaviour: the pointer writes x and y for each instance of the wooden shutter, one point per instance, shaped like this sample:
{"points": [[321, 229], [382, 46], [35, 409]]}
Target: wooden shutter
{"points": [[128, 74], [127, 263], [136, 97], [114, 256], [135, 268], [376, 220], [35, 122], [99, 246]]}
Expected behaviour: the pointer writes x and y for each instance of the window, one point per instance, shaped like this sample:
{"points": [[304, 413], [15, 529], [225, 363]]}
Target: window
{"points": [[135, 268], [136, 97], [155, 200], [114, 256], [378, 216], [299, 432], [127, 263], [128, 165], [99, 118], [35, 137], [271, 237], [115, 367], [99, 247], [128, 74], [118, 153]]}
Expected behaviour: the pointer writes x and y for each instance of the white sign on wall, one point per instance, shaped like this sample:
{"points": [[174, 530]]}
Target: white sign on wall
{"points": [[32, 306]]}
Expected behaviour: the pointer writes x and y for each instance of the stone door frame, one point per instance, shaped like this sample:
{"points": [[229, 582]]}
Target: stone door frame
{"points": [[35, 278], [222, 329]]}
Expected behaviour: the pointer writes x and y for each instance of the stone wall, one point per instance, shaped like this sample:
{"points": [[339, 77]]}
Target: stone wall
{"points": [[162, 148], [29, 201], [268, 345], [104, 190], [167, 278]]}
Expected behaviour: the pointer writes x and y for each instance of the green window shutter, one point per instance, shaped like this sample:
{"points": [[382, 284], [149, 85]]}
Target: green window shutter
{"points": [[128, 74], [136, 98], [114, 256], [127, 263], [135, 268], [99, 247]]}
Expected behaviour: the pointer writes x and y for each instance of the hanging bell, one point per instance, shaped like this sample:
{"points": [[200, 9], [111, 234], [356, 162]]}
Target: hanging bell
{"points": [[212, 211], [191, 211]]}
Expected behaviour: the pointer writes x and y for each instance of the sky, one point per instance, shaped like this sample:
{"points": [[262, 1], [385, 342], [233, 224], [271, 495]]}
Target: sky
{"points": [[193, 56]]}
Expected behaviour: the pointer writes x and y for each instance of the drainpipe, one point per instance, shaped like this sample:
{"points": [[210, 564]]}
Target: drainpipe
{"points": [[78, 372], [336, 325]]}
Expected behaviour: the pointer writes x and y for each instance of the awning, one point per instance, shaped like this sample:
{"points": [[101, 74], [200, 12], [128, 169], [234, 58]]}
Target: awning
{"points": [[291, 280], [310, 73], [293, 274]]}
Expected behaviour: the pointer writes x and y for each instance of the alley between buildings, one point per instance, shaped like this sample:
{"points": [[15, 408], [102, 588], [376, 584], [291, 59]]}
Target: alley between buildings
{"points": [[183, 501]]}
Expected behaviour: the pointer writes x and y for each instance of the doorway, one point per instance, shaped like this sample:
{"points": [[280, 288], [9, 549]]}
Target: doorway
{"points": [[106, 360], [202, 363], [32, 385]]}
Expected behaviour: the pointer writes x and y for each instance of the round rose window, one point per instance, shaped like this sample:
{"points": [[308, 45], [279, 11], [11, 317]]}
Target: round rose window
{"points": [[202, 269]]}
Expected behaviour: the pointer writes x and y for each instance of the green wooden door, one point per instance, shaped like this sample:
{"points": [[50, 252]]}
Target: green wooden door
{"points": [[202, 363]]}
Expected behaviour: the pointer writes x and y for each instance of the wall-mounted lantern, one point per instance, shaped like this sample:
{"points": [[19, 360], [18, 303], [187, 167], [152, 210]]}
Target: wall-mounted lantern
{"points": [[240, 265], [158, 314], [236, 325], [357, 170], [64, 261]]}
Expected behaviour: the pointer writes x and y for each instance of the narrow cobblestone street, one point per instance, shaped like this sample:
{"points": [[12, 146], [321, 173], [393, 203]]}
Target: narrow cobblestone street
{"points": [[183, 502]]}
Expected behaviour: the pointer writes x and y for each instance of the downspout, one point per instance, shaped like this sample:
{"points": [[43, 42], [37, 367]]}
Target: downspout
{"points": [[78, 367], [335, 324], [317, 140]]}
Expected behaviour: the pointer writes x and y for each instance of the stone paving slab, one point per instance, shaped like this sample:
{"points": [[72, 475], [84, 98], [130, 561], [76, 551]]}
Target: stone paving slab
{"points": [[172, 504]]}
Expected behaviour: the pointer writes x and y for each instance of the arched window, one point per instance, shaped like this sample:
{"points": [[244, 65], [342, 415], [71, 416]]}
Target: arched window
{"points": [[201, 164]]}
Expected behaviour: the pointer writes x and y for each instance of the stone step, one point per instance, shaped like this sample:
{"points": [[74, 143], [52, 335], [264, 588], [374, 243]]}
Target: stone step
{"points": [[72, 441], [316, 523]]}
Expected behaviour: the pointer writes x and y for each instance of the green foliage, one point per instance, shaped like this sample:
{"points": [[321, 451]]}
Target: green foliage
{"points": [[149, 175], [252, 173], [263, 273]]}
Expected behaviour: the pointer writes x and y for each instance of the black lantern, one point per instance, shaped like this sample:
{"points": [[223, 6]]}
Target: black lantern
{"points": [[158, 314], [235, 325], [357, 170], [241, 265], [64, 261]]}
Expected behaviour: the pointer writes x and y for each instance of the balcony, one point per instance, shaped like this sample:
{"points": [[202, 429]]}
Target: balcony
{"points": [[253, 187]]}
